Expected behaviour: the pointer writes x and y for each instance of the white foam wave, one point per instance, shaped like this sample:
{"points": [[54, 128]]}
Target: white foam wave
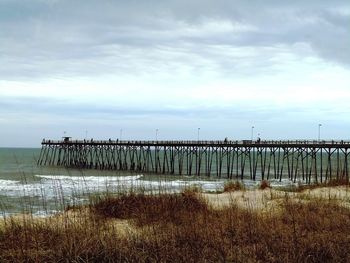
{"points": [[5, 183], [70, 190], [91, 178], [75, 185]]}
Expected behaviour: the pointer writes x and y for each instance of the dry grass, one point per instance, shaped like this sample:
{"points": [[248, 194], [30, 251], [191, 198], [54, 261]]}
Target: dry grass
{"points": [[264, 184], [150, 209], [182, 228], [232, 186]]}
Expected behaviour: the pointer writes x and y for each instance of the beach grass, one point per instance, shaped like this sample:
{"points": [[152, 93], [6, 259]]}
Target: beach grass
{"points": [[182, 227], [234, 185]]}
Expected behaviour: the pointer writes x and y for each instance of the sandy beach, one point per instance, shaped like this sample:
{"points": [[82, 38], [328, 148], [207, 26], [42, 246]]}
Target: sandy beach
{"points": [[271, 199]]}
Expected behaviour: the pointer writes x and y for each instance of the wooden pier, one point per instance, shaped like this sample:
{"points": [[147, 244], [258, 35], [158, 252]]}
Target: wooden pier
{"points": [[310, 161]]}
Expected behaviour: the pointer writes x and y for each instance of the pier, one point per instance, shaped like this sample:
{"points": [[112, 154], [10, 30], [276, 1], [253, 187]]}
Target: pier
{"points": [[309, 161]]}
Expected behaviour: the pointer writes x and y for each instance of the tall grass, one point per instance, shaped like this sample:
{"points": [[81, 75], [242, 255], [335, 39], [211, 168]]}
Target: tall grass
{"points": [[231, 186], [139, 227], [149, 209]]}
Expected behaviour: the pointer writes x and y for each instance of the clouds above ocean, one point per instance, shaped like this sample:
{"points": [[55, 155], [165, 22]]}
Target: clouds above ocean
{"points": [[175, 58], [74, 38]]}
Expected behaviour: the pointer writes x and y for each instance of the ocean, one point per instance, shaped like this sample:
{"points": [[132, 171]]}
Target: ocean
{"points": [[26, 187], [41, 190]]}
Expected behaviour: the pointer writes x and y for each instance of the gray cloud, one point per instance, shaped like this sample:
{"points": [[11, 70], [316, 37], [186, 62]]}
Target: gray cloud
{"points": [[77, 38], [61, 108], [41, 108], [178, 43]]}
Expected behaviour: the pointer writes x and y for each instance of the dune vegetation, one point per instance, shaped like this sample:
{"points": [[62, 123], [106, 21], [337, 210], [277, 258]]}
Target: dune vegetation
{"points": [[185, 227]]}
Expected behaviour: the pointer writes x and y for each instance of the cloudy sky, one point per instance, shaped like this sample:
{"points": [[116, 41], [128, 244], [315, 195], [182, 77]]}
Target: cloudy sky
{"points": [[91, 68]]}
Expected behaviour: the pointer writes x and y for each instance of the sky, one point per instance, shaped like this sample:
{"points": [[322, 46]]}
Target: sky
{"points": [[109, 69]]}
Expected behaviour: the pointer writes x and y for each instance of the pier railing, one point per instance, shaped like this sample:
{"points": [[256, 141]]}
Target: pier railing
{"points": [[201, 143]]}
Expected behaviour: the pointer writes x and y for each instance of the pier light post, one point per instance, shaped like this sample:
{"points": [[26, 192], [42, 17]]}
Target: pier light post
{"points": [[198, 133], [252, 132], [319, 131], [156, 134]]}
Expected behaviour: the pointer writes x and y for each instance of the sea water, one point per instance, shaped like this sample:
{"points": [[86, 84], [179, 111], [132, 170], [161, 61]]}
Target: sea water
{"points": [[26, 187]]}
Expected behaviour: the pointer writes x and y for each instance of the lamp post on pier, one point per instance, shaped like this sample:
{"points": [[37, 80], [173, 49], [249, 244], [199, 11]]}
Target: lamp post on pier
{"points": [[252, 133], [198, 133], [156, 134], [319, 131]]}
